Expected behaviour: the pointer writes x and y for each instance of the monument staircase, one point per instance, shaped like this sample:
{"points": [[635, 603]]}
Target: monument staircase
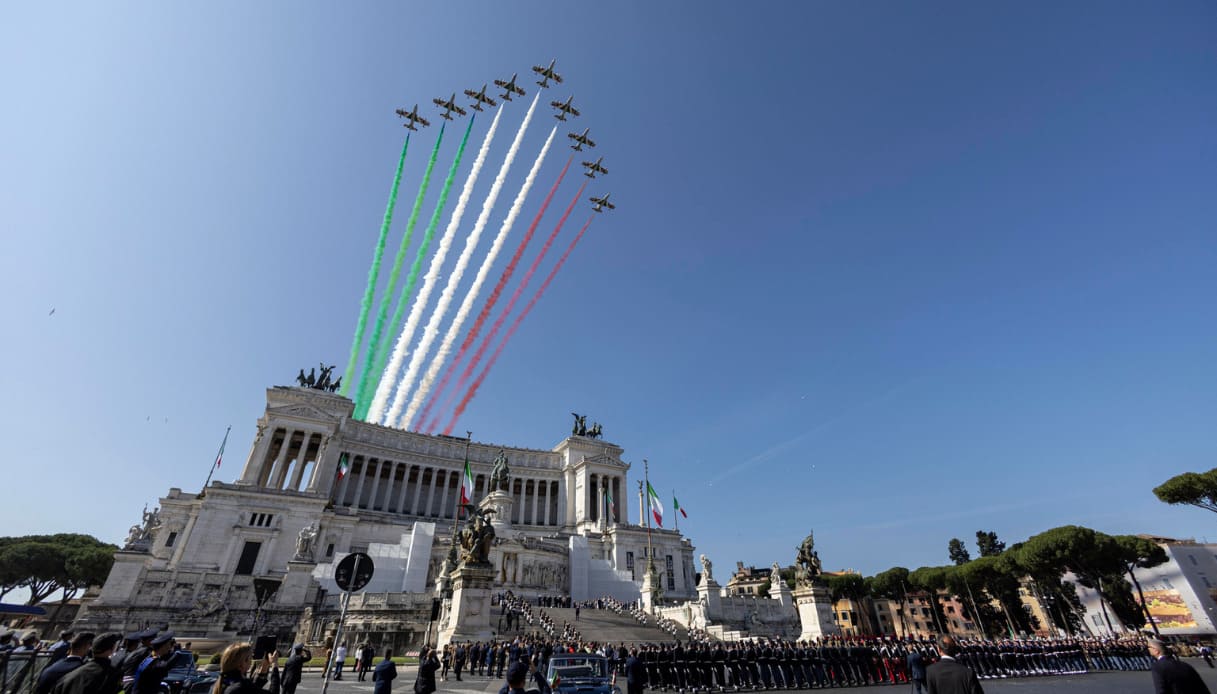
{"points": [[606, 625]]}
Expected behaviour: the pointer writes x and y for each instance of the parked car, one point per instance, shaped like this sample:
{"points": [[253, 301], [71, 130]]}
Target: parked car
{"points": [[581, 673]]}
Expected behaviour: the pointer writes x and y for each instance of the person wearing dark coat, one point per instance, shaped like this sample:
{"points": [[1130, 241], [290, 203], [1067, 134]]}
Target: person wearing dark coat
{"points": [[635, 674], [948, 676], [518, 675], [1172, 676], [73, 658], [293, 669], [424, 683], [235, 662], [149, 672], [384, 674], [916, 670], [59, 649], [96, 676]]}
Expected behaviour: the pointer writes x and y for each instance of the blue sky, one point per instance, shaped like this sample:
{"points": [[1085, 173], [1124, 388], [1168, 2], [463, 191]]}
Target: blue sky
{"points": [[896, 272]]}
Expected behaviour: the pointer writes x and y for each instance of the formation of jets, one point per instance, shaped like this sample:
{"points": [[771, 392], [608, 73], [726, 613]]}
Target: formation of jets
{"points": [[547, 74], [509, 87], [412, 117], [564, 108], [479, 98], [580, 140], [449, 106], [598, 204], [594, 167]]}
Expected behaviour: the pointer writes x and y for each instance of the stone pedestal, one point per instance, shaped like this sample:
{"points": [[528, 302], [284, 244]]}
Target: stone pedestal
{"points": [[124, 578], [502, 504], [652, 587], [294, 590], [814, 605], [710, 595], [469, 616]]}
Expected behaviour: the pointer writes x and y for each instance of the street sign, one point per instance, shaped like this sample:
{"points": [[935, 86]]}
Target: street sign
{"points": [[354, 571]]}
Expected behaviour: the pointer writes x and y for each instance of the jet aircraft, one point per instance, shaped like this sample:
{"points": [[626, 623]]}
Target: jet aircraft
{"points": [[600, 203], [509, 88], [412, 117], [449, 106], [479, 98], [594, 167], [564, 107], [581, 140], [547, 74]]}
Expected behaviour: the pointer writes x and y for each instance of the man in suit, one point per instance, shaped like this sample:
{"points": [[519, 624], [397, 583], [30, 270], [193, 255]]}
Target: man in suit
{"points": [[635, 674], [948, 676], [384, 674], [1172, 676], [293, 670], [96, 676], [916, 670]]}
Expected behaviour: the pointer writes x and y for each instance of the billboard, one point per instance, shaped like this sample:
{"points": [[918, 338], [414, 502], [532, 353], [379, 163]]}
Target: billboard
{"points": [[1167, 609]]}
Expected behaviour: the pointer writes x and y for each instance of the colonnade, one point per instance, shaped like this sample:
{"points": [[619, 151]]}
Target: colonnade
{"points": [[598, 500], [290, 459]]}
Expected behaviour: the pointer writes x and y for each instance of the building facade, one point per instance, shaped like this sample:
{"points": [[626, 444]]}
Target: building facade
{"points": [[318, 485]]}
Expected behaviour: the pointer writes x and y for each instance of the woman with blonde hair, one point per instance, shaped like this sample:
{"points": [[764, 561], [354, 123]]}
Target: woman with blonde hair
{"points": [[235, 663]]}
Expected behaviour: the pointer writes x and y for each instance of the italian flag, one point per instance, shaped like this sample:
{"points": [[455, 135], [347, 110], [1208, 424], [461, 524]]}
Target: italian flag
{"points": [[676, 507], [609, 495], [467, 484], [656, 506], [343, 466], [557, 679]]}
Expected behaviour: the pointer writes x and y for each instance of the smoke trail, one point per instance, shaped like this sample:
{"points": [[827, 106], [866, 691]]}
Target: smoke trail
{"points": [[445, 297], [361, 393], [389, 376], [462, 313], [374, 273], [473, 389], [519, 291], [484, 313]]}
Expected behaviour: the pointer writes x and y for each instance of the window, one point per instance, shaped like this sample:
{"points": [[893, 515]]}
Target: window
{"points": [[629, 564], [329, 551], [171, 539], [1193, 558], [260, 520], [1206, 582], [950, 609], [671, 573], [249, 556]]}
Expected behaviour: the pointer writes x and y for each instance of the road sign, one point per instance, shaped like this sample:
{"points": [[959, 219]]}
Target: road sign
{"points": [[354, 571]]}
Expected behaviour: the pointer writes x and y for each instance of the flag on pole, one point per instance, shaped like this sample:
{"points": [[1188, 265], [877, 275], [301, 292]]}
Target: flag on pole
{"points": [[608, 493], [343, 466], [676, 506], [656, 506], [220, 455], [467, 483]]}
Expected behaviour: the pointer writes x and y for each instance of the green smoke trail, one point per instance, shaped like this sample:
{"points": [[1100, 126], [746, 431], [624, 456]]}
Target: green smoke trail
{"points": [[382, 312], [382, 348], [374, 273]]}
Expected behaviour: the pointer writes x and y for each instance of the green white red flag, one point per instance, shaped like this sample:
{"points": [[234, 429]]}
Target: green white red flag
{"points": [[467, 484], [656, 506], [677, 507], [343, 466]]}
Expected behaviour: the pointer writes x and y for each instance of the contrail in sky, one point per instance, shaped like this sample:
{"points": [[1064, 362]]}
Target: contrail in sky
{"points": [[389, 376], [374, 273], [375, 348], [515, 296], [462, 313], [458, 271], [487, 307], [473, 389]]}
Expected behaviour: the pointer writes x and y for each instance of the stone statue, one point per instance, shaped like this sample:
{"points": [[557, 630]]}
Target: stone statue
{"points": [[304, 542], [707, 570], [336, 385], [311, 380], [301, 379], [139, 537], [775, 570], [476, 537], [580, 428], [500, 476], [807, 571], [594, 431]]}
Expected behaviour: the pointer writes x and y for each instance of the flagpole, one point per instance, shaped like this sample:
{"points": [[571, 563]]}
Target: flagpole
{"points": [[219, 453], [646, 473], [675, 514], [468, 437]]}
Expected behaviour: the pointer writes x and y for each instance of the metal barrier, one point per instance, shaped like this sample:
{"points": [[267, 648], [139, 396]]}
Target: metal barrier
{"points": [[19, 672]]}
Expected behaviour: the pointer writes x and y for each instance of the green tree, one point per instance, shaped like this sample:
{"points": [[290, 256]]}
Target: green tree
{"points": [[1095, 558], [892, 585], [1197, 489], [932, 580], [850, 586], [1140, 553], [988, 544], [45, 564], [958, 552]]}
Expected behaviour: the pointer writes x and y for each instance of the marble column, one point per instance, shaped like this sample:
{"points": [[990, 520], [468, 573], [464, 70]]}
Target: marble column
{"points": [[274, 468], [364, 463], [298, 473], [435, 472], [418, 490], [536, 501], [346, 480], [405, 483], [380, 466]]}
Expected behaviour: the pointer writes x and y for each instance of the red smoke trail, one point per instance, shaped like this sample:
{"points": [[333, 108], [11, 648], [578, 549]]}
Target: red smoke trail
{"points": [[460, 409], [486, 309], [515, 296]]}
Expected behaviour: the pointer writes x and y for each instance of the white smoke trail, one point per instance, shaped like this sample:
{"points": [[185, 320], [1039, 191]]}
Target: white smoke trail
{"points": [[445, 298], [389, 377], [424, 387]]}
